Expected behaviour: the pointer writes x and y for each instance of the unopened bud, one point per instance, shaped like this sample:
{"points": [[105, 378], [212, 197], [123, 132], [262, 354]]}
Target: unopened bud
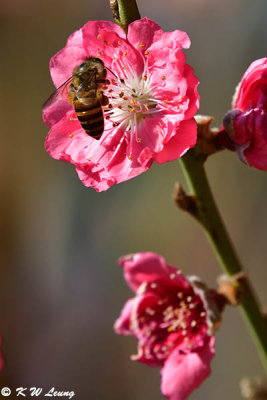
{"points": [[246, 123]]}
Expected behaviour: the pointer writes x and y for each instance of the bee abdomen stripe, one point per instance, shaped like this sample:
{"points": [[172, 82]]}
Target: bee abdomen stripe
{"points": [[80, 107], [93, 126], [92, 122], [84, 116], [92, 111]]}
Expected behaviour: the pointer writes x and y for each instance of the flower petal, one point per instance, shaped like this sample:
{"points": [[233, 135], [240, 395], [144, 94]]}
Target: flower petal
{"points": [[63, 62], [182, 373], [122, 324], [245, 92], [143, 32], [149, 267], [185, 138]]}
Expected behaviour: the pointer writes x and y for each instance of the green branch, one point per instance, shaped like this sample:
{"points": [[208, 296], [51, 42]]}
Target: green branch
{"points": [[209, 216], [124, 12]]}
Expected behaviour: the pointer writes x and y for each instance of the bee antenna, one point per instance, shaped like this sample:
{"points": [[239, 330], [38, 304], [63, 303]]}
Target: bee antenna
{"points": [[112, 73]]}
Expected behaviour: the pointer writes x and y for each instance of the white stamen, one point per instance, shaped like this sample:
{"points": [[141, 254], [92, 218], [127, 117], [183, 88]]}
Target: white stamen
{"points": [[131, 98]]}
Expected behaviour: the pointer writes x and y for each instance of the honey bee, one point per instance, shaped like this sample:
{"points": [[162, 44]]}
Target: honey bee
{"points": [[84, 90]]}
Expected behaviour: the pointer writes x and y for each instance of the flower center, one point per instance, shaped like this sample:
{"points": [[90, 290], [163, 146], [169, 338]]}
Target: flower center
{"points": [[177, 319], [131, 100]]}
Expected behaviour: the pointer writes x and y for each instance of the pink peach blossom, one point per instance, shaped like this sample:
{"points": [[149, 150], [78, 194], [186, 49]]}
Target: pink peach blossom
{"points": [[151, 104], [173, 318], [247, 122]]}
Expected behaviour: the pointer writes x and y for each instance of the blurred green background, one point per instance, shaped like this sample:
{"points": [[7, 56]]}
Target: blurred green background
{"points": [[61, 288]]}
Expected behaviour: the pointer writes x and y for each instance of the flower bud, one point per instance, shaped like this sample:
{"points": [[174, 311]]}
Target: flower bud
{"points": [[246, 123]]}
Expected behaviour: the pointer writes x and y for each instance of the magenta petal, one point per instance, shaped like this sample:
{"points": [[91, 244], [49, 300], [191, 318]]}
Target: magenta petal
{"points": [[93, 28], [185, 138], [257, 159], [122, 324], [182, 373], [63, 62], [55, 112], [143, 32], [245, 92], [149, 267]]}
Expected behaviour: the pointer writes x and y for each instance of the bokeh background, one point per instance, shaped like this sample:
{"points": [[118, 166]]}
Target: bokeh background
{"points": [[61, 288]]}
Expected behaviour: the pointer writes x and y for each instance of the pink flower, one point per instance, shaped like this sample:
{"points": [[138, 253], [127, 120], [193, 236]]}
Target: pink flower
{"points": [[173, 319], [151, 102], [247, 122]]}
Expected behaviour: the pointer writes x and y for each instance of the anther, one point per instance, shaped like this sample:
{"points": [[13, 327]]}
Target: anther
{"points": [[89, 159], [130, 157], [193, 324], [144, 77], [71, 135], [98, 36], [139, 140], [149, 311], [72, 119], [146, 52], [124, 53], [163, 77], [141, 45]]}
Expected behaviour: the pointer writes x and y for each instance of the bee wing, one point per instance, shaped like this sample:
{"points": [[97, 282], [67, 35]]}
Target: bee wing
{"points": [[58, 94]]}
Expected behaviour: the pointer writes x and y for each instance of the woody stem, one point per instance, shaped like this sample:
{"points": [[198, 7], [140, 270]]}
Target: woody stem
{"points": [[210, 219]]}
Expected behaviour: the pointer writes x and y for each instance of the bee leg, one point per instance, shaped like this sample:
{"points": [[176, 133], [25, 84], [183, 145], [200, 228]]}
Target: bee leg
{"points": [[71, 96], [104, 100]]}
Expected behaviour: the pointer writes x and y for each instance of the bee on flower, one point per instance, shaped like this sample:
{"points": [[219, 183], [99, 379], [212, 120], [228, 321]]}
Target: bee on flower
{"points": [[112, 125]]}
